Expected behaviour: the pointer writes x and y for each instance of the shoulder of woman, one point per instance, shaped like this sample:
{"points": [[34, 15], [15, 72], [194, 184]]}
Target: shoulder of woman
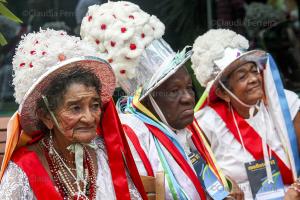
{"points": [[207, 116]]}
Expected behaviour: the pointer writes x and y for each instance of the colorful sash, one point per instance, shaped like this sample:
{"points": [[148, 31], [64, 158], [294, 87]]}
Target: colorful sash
{"points": [[38, 177], [163, 138], [168, 144], [251, 139]]}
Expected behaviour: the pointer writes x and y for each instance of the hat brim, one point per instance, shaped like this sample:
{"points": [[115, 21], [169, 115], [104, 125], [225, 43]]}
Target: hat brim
{"points": [[27, 109], [168, 73], [254, 55]]}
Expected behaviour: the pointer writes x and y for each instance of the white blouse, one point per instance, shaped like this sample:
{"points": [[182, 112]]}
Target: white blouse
{"points": [[15, 184], [229, 153]]}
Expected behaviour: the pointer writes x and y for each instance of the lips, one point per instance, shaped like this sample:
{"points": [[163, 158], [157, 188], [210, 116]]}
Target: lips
{"points": [[85, 129], [254, 88], [187, 112]]}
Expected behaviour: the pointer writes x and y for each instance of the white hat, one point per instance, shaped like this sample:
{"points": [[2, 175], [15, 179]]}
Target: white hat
{"points": [[220, 51], [40, 57], [131, 41]]}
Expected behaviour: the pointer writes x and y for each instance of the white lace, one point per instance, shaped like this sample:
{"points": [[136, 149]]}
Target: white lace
{"points": [[15, 184]]}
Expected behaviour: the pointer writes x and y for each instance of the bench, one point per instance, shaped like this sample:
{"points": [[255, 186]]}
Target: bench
{"points": [[154, 186], [3, 124]]}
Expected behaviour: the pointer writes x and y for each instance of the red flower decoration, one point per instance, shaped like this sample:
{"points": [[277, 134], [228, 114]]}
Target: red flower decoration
{"points": [[132, 46], [122, 71], [103, 26], [143, 35], [90, 18], [44, 53], [112, 43], [22, 64], [30, 65], [123, 29], [61, 57], [32, 52], [110, 60], [97, 41], [131, 17]]}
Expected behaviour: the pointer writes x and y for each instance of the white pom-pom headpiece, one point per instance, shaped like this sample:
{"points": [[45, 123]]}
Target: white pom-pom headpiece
{"points": [[37, 52], [121, 32], [214, 51]]}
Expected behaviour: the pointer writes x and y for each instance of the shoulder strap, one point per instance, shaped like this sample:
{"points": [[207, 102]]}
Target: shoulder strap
{"points": [[135, 141], [251, 139]]}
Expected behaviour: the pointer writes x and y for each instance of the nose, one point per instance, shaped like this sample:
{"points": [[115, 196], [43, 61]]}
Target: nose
{"points": [[188, 97], [254, 77], [87, 116]]}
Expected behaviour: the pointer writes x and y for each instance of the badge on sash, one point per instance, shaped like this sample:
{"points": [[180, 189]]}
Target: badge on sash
{"points": [[207, 178], [260, 188]]}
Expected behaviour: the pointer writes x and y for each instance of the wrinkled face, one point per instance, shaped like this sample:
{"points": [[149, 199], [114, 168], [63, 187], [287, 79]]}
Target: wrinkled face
{"points": [[79, 113], [176, 99], [246, 83]]}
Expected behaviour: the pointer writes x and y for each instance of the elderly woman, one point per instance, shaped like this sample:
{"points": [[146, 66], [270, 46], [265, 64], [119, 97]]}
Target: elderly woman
{"points": [[64, 142], [250, 121]]}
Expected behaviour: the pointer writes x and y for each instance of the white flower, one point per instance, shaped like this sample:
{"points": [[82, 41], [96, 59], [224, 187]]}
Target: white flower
{"points": [[158, 27]]}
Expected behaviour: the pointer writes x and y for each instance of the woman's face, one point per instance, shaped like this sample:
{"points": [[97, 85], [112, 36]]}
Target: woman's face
{"points": [[246, 83], [79, 113]]}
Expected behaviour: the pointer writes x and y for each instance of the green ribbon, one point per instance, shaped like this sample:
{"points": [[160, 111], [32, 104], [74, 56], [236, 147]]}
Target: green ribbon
{"points": [[77, 149]]}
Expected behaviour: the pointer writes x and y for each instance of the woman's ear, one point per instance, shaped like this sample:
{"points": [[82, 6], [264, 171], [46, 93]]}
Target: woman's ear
{"points": [[222, 94], [46, 119]]}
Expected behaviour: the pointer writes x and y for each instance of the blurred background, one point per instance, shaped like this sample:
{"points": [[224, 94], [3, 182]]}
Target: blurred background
{"points": [[272, 25]]}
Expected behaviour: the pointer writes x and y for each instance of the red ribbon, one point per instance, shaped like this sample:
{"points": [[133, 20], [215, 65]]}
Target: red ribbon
{"points": [[38, 177], [116, 144], [251, 139], [135, 141]]}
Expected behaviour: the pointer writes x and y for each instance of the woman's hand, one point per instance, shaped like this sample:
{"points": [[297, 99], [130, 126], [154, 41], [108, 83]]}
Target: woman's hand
{"points": [[293, 192], [236, 192]]}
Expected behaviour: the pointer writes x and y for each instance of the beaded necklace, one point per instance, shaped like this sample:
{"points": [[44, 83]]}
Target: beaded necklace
{"points": [[61, 174]]}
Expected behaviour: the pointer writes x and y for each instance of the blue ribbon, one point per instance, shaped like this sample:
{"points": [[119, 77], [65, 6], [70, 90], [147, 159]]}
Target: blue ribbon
{"points": [[285, 111], [179, 190]]}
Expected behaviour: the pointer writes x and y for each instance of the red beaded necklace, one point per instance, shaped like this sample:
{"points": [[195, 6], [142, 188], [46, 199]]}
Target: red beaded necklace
{"points": [[59, 173]]}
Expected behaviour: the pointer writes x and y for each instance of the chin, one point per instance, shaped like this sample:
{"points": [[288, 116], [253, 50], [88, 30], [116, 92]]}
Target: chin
{"points": [[254, 98], [184, 123], [85, 138]]}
